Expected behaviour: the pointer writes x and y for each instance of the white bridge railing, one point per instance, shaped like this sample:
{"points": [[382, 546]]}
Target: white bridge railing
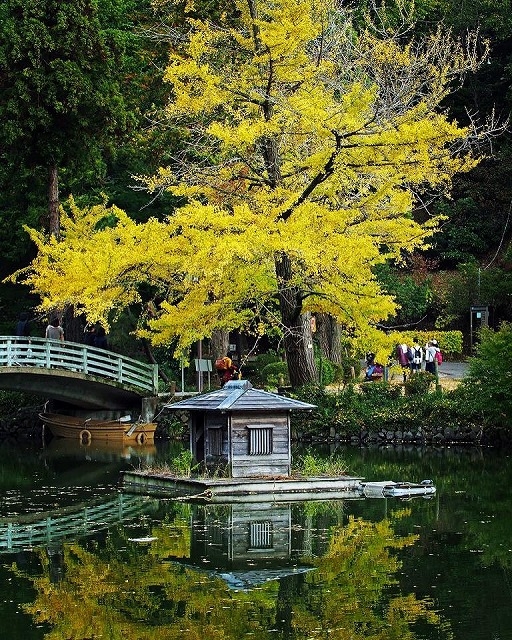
{"points": [[53, 354]]}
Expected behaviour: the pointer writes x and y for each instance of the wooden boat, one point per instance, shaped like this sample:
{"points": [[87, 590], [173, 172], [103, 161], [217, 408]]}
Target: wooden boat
{"points": [[85, 430], [390, 489]]}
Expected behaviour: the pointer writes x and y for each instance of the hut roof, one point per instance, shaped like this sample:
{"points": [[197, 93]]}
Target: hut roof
{"points": [[239, 395]]}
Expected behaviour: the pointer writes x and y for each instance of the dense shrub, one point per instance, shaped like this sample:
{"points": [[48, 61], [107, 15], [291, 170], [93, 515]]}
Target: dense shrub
{"points": [[328, 371], [274, 374], [488, 385], [381, 407], [254, 370], [419, 383]]}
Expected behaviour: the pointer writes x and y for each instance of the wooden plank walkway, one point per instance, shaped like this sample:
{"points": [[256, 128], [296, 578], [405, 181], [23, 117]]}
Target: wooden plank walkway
{"points": [[78, 358]]}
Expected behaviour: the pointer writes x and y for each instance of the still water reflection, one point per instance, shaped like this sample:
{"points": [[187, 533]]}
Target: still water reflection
{"points": [[79, 560]]}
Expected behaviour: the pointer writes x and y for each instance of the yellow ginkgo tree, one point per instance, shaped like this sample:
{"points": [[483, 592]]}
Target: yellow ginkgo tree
{"points": [[307, 144]]}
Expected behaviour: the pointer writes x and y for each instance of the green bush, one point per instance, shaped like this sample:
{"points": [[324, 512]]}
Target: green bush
{"points": [[328, 371], [274, 373], [420, 383], [488, 385], [254, 370]]}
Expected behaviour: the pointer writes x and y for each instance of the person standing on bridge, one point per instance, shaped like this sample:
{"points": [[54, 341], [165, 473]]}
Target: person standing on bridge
{"points": [[23, 325], [89, 334], [100, 339], [54, 331]]}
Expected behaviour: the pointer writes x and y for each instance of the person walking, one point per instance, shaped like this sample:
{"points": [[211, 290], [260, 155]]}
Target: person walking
{"points": [[402, 357], [415, 356], [430, 357]]}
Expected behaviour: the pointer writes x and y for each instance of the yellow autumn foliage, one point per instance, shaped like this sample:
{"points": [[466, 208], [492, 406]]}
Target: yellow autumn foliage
{"points": [[302, 138]]}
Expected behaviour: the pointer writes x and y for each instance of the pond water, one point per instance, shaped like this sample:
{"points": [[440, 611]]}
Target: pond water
{"points": [[79, 560]]}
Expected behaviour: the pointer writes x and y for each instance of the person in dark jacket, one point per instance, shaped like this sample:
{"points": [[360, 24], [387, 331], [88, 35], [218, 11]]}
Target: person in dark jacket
{"points": [[23, 325], [89, 335], [100, 339]]}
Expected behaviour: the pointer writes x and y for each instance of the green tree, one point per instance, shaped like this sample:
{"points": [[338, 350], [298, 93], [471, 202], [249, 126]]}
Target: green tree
{"points": [[60, 97], [489, 382]]}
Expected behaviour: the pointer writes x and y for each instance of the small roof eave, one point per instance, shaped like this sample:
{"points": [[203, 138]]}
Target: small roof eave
{"points": [[240, 397]]}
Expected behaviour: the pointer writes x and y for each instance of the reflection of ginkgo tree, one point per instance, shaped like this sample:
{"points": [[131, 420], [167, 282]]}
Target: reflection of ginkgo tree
{"points": [[351, 582], [136, 593]]}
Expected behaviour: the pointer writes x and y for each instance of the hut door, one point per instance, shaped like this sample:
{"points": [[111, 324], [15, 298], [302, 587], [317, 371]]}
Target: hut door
{"points": [[216, 448]]}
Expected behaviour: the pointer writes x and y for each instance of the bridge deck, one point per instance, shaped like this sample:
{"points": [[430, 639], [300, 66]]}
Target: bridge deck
{"points": [[78, 358]]}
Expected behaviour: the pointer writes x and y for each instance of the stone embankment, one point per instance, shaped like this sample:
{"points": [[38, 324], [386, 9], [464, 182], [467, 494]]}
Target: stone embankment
{"points": [[418, 435], [21, 423]]}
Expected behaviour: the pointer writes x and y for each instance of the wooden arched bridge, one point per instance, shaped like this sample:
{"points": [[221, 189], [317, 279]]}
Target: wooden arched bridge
{"points": [[87, 377]]}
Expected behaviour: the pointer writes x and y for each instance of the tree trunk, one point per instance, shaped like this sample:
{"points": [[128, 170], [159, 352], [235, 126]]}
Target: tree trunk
{"points": [[219, 344], [73, 327], [53, 201], [298, 339], [328, 333]]}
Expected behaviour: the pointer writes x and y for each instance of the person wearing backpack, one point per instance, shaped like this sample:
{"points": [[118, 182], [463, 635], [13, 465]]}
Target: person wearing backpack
{"points": [[415, 356], [430, 357], [438, 355], [226, 370]]}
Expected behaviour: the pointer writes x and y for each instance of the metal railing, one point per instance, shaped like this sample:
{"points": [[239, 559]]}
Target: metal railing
{"points": [[54, 354]]}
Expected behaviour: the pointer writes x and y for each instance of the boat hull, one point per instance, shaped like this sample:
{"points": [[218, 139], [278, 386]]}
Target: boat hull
{"points": [[85, 431]]}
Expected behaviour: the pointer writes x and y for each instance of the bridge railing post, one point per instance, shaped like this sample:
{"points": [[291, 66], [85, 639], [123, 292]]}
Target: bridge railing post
{"points": [[48, 354], [120, 370], [84, 359], [11, 355], [155, 378]]}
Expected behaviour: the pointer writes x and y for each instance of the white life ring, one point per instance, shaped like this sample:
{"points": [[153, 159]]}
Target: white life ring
{"points": [[85, 436], [140, 438]]}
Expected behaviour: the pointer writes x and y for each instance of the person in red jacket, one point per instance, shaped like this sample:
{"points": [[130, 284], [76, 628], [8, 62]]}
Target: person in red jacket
{"points": [[226, 370]]}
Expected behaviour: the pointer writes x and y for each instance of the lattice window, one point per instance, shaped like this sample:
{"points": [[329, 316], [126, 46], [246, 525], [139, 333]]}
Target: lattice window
{"points": [[261, 441], [260, 535]]}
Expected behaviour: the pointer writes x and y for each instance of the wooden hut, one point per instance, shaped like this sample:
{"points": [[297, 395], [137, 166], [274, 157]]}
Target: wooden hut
{"points": [[244, 429]]}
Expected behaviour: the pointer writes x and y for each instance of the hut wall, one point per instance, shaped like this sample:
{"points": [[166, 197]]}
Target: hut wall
{"points": [[260, 444]]}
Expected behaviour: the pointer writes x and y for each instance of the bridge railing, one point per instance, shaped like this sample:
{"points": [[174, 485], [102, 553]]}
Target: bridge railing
{"points": [[54, 354]]}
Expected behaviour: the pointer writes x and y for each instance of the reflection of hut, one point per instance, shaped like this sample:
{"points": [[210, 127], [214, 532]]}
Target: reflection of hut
{"points": [[246, 545], [245, 429]]}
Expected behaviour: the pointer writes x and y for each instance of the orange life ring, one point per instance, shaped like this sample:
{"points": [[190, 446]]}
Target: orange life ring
{"points": [[85, 436], [140, 438]]}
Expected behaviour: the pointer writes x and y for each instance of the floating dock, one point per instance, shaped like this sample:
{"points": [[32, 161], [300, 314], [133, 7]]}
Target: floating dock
{"points": [[242, 489]]}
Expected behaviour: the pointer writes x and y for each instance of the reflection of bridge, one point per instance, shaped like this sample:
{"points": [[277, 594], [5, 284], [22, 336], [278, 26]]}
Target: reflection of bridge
{"points": [[85, 376], [44, 529]]}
